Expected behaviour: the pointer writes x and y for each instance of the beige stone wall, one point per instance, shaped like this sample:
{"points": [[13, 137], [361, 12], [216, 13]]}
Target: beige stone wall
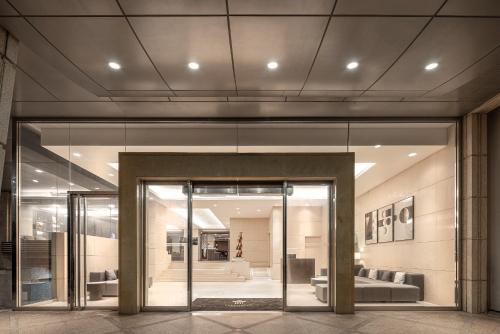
{"points": [[276, 249], [256, 239], [158, 259], [102, 254], [432, 252]]}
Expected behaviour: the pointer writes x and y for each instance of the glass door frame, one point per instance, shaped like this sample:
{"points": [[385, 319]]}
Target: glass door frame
{"points": [[329, 307], [75, 228]]}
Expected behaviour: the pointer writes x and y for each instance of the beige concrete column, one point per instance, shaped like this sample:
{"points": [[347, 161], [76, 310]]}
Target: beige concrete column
{"points": [[8, 53], [474, 213]]}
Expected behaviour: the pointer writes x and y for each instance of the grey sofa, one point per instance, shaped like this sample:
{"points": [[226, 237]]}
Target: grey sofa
{"points": [[110, 285], [383, 289]]}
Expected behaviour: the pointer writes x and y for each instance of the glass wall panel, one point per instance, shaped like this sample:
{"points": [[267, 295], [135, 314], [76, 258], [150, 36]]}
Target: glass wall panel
{"points": [[166, 233], [405, 213], [43, 180], [307, 245]]}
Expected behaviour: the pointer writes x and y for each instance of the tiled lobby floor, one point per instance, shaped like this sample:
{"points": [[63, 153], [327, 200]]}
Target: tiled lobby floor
{"points": [[96, 322]]}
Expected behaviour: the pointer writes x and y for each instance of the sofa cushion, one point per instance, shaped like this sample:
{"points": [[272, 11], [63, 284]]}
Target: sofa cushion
{"points": [[399, 277], [110, 275], [373, 274], [386, 276], [97, 276], [363, 272]]}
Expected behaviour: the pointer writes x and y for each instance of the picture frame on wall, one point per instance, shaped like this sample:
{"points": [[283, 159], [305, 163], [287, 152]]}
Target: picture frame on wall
{"points": [[404, 223], [385, 225], [371, 228]]}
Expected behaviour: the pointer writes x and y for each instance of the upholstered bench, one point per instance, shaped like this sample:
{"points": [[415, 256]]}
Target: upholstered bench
{"points": [[319, 280], [322, 292]]}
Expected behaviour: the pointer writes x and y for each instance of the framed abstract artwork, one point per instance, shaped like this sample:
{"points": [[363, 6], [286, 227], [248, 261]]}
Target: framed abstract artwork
{"points": [[371, 228], [403, 219], [385, 226]]}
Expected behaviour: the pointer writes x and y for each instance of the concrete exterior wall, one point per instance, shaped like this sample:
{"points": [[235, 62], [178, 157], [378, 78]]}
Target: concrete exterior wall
{"points": [[494, 208], [474, 256], [432, 252]]}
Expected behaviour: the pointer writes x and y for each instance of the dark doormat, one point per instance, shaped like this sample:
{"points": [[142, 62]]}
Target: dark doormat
{"points": [[235, 304]]}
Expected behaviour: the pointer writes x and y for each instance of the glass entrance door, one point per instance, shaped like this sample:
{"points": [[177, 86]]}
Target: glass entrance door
{"points": [[93, 248], [226, 246]]}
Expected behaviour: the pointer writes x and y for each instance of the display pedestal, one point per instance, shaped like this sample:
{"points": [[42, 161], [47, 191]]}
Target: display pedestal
{"points": [[240, 267]]}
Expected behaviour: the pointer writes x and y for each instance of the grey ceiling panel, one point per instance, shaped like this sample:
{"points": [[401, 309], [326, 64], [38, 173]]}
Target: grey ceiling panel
{"points": [[141, 93], [24, 32], [198, 99], [92, 42], [242, 109], [173, 42], [471, 8], [314, 98], [486, 71], [387, 7], [290, 41], [52, 79], [289, 7], [203, 93], [394, 93], [373, 42], [173, 7], [28, 90], [67, 7], [140, 98], [67, 109], [257, 98], [338, 93], [455, 43], [268, 92], [6, 9], [372, 98]]}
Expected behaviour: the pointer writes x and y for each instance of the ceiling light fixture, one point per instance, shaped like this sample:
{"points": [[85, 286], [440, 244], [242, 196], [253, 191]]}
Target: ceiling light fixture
{"points": [[431, 66], [412, 154], [377, 146], [76, 154], [97, 188], [272, 65], [194, 66], [113, 165], [71, 184], [114, 65], [39, 171], [36, 181], [362, 167], [352, 65]]}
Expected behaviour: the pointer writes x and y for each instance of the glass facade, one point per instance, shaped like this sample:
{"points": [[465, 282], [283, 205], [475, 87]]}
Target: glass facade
{"points": [[405, 220]]}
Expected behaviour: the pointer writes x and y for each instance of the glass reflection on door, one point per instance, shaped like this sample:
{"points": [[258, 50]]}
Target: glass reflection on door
{"points": [[165, 245], [94, 221], [307, 245]]}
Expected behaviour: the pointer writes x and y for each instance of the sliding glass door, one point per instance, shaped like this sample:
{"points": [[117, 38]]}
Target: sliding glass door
{"points": [[227, 245]]}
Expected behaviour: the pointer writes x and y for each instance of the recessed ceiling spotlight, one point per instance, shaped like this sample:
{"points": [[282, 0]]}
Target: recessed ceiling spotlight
{"points": [[431, 66], [114, 65], [377, 146], [258, 210], [39, 171], [71, 184], [272, 65], [76, 154], [412, 154], [194, 66], [36, 181], [97, 188], [352, 65]]}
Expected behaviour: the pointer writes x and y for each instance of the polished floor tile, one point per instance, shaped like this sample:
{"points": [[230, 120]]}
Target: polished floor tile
{"points": [[363, 322]]}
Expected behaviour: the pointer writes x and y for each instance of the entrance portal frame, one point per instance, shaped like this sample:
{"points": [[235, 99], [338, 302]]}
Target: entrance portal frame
{"points": [[135, 168]]}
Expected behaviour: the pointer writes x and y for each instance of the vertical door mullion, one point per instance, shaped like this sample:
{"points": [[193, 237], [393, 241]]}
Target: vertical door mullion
{"points": [[144, 238], [284, 238], [70, 250], [84, 251], [330, 240], [190, 244]]}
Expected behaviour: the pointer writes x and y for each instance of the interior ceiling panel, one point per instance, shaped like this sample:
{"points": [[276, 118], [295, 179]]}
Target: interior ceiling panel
{"points": [[6, 9], [454, 43], [290, 41], [388, 7], [173, 7], [26, 89], [66, 7], [471, 8], [373, 42], [50, 78], [92, 42], [339, 93], [394, 93], [173, 42], [288, 7]]}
